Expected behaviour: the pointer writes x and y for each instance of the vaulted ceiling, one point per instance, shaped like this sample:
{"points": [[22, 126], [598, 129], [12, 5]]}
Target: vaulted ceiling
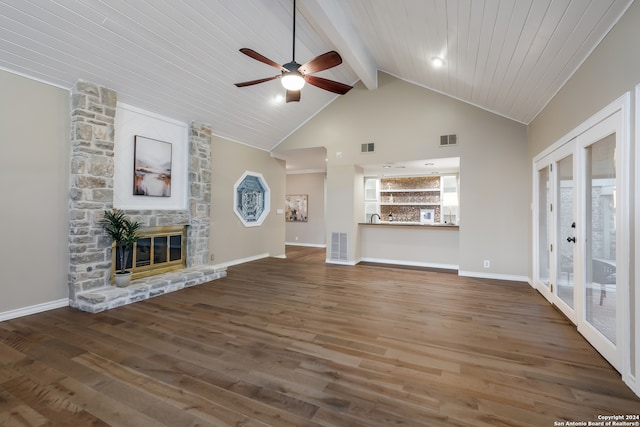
{"points": [[180, 58]]}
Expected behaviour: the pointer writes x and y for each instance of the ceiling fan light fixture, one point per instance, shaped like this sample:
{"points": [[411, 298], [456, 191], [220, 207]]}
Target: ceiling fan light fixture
{"points": [[294, 76], [292, 80]]}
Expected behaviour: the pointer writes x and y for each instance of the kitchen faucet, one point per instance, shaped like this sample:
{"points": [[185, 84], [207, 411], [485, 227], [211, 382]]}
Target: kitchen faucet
{"points": [[371, 220]]}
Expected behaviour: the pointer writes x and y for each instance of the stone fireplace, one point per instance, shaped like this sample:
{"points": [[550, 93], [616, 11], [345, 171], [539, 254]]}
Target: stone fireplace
{"points": [[92, 189]]}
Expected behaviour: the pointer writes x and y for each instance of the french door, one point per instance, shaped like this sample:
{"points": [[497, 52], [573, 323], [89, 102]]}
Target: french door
{"points": [[603, 246], [556, 211], [579, 234]]}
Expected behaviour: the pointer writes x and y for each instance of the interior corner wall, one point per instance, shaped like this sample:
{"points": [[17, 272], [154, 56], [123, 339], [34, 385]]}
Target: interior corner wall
{"points": [[34, 183], [358, 208], [312, 232], [341, 197], [405, 122], [230, 242]]}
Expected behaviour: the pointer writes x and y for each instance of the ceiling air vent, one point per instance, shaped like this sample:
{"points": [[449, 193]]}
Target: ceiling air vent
{"points": [[447, 140], [367, 148]]}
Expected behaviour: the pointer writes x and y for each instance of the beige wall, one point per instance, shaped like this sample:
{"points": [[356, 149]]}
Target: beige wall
{"points": [[230, 241], [612, 69], [311, 232], [405, 122], [34, 183]]}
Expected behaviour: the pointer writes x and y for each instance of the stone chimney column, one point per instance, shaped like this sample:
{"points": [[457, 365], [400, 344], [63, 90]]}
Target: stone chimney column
{"points": [[199, 193], [93, 110]]}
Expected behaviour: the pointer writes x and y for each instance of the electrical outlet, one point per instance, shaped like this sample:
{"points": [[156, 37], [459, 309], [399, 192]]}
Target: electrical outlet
{"points": [[296, 238], [487, 263], [211, 257]]}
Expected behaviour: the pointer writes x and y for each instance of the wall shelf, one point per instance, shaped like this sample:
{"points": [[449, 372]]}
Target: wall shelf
{"points": [[407, 199], [410, 204], [411, 190]]}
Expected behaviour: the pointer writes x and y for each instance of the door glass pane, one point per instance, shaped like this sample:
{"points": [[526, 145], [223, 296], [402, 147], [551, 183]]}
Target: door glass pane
{"points": [[566, 230], [600, 286], [543, 226]]}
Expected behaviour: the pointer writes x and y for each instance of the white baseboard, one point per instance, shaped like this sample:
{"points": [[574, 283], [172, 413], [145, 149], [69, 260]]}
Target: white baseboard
{"points": [[480, 275], [333, 261], [33, 309], [241, 261], [410, 263], [309, 245]]}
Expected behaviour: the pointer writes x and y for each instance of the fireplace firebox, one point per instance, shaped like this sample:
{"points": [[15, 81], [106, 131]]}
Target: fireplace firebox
{"points": [[157, 250]]}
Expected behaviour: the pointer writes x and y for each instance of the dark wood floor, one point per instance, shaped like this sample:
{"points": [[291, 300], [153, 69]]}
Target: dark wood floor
{"points": [[295, 342]]}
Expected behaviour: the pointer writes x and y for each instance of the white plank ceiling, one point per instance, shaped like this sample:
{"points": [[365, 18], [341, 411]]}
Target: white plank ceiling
{"points": [[180, 58]]}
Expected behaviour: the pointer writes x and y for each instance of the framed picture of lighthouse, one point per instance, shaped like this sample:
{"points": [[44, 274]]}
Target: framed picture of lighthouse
{"points": [[152, 167]]}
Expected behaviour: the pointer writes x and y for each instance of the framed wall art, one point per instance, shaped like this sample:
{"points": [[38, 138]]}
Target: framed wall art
{"points": [[151, 167], [427, 216], [296, 207]]}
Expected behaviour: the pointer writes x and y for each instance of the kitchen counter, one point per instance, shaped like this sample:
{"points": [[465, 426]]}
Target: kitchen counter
{"points": [[409, 224], [410, 243]]}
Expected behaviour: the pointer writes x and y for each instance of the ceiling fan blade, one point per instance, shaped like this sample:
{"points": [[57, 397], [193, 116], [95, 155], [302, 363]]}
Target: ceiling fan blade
{"points": [[330, 85], [255, 82], [293, 96], [255, 55], [322, 62]]}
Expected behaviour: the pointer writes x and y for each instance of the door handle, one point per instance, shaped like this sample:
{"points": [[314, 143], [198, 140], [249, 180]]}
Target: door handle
{"points": [[571, 239]]}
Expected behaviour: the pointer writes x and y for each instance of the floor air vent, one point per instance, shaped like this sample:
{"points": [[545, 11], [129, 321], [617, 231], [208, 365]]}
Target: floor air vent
{"points": [[339, 247], [448, 140]]}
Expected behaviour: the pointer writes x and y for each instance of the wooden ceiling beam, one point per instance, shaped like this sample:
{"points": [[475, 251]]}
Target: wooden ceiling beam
{"points": [[328, 18]]}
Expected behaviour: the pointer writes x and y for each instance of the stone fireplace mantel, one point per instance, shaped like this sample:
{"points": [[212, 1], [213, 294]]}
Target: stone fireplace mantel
{"points": [[93, 113]]}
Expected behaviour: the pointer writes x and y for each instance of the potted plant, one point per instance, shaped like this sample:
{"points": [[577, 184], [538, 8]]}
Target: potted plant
{"points": [[124, 233]]}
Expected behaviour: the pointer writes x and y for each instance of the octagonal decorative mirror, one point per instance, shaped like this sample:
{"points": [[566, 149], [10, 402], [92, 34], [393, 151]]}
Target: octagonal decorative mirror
{"points": [[251, 199]]}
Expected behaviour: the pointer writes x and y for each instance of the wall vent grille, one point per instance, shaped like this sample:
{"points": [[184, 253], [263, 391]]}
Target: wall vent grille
{"points": [[448, 140], [368, 148], [339, 246]]}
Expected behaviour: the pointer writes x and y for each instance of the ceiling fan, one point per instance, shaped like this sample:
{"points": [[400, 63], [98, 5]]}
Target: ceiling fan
{"points": [[293, 75]]}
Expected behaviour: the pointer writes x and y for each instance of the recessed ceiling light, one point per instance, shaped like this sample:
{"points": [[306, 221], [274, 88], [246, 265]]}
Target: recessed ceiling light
{"points": [[429, 164], [437, 62], [386, 166], [278, 99]]}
